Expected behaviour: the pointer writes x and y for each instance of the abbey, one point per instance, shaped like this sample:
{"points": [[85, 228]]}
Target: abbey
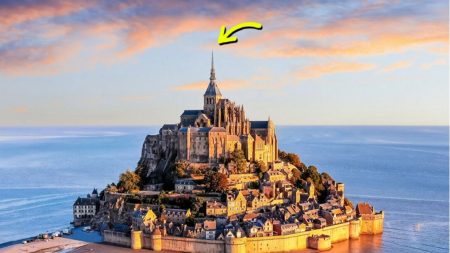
{"points": [[211, 134]]}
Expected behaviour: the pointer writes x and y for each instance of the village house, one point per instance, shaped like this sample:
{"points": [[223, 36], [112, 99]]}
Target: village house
{"points": [[274, 176], [236, 203], [334, 216], [241, 181], [143, 219], [287, 228], [320, 223], [184, 185], [177, 216], [210, 227], [215, 208], [256, 200]]}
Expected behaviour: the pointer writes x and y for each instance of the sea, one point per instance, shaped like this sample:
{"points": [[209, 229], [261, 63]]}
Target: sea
{"points": [[403, 171]]}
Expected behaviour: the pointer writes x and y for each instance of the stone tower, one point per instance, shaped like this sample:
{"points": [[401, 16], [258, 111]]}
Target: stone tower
{"points": [[212, 94]]}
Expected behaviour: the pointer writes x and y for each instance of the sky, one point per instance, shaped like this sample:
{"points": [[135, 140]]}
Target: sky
{"points": [[107, 62]]}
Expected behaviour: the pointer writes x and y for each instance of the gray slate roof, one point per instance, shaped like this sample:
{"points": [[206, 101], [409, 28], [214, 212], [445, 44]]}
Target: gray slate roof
{"points": [[259, 124], [191, 112], [85, 202], [212, 89]]}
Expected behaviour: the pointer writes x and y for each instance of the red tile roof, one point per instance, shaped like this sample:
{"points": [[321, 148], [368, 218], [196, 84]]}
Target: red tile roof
{"points": [[364, 208]]}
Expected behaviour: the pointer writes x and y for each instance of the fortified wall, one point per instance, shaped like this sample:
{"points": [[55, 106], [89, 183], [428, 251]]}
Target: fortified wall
{"points": [[317, 239], [372, 224]]}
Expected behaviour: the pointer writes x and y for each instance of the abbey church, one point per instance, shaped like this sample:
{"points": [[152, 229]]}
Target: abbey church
{"points": [[210, 134]]}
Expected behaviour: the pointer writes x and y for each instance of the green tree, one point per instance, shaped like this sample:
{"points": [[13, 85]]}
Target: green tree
{"points": [[253, 185], [296, 174], [129, 182], [181, 168], [238, 157], [326, 176], [216, 181], [302, 167], [261, 167], [111, 187], [312, 175], [190, 221], [292, 158]]}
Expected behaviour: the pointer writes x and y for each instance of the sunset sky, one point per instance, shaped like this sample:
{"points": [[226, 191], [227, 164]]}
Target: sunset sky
{"points": [[144, 62]]}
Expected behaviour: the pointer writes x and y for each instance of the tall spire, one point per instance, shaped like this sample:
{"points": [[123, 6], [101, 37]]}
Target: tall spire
{"points": [[213, 89], [213, 71]]}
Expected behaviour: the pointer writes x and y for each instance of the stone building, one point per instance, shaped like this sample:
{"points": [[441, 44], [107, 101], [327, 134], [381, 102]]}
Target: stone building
{"points": [[210, 134], [85, 208], [215, 208], [184, 185], [236, 203]]}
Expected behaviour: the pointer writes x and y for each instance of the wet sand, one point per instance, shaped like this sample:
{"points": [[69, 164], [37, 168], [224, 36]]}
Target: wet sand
{"points": [[58, 244], [108, 248]]}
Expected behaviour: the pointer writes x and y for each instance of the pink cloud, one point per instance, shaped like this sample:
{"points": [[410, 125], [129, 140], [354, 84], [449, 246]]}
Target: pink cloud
{"points": [[348, 37], [318, 70], [19, 13], [33, 34]]}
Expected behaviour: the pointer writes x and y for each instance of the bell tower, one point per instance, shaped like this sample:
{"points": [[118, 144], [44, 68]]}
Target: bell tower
{"points": [[212, 94]]}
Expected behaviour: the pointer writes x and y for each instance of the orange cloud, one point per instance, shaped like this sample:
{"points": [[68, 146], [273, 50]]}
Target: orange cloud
{"points": [[318, 70], [145, 32], [128, 28], [348, 37], [224, 85], [397, 66], [20, 109]]}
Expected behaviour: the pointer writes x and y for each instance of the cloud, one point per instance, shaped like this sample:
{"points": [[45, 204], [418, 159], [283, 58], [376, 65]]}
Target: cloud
{"points": [[15, 13], [348, 37], [397, 65], [33, 33], [318, 70], [224, 85], [20, 109], [437, 62], [35, 60]]}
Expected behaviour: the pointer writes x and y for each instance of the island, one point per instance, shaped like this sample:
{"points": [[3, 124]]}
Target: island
{"points": [[216, 182]]}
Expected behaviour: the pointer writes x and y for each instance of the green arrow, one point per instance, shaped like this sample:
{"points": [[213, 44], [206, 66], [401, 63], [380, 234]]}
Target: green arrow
{"points": [[225, 37]]}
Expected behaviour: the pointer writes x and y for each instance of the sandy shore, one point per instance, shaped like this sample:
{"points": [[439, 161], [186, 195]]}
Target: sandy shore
{"points": [[43, 246], [104, 248], [107, 248]]}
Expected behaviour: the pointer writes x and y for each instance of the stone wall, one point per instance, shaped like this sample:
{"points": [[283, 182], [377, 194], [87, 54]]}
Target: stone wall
{"points": [[372, 224], [284, 243], [118, 238], [293, 242], [171, 243]]}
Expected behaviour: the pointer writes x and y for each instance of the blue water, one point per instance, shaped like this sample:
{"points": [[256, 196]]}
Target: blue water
{"points": [[401, 170]]}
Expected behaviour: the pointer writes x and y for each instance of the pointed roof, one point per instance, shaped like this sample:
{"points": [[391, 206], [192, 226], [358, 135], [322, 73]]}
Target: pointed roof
{"points": [[213, 88]]}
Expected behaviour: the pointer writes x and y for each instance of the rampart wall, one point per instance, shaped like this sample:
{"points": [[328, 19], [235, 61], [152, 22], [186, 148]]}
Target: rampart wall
{"points": [[118, 238], [283, 243]]}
